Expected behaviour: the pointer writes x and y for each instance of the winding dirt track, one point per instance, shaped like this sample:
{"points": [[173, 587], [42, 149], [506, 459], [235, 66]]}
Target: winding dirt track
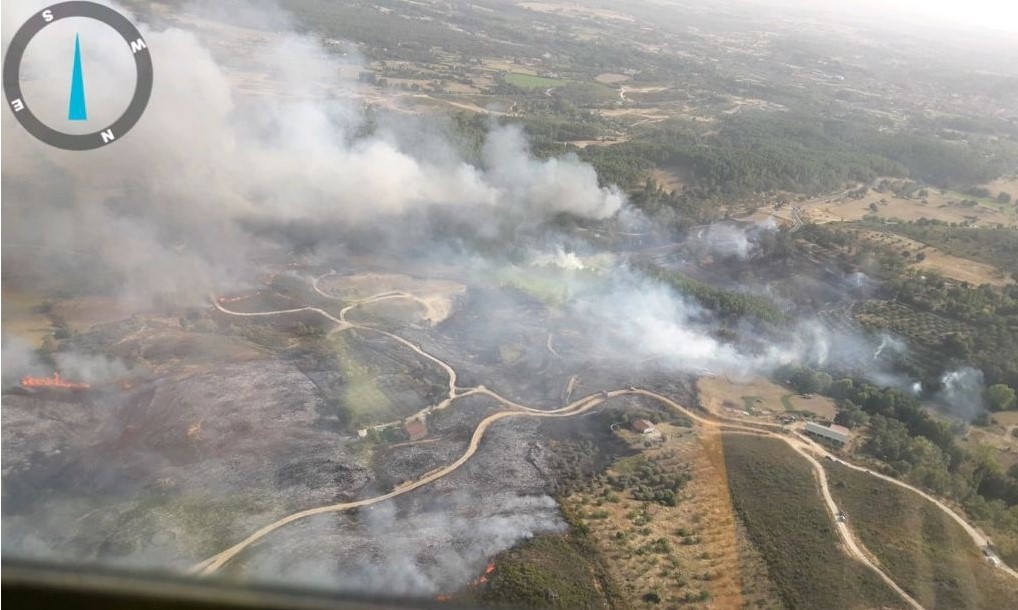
{"points": [[802, 445]]}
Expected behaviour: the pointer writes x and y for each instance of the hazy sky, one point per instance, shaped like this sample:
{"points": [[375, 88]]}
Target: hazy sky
{"points": [[996, 14]]}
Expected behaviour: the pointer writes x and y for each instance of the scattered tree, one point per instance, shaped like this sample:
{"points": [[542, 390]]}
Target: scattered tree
{"points": [[1000, 397]]}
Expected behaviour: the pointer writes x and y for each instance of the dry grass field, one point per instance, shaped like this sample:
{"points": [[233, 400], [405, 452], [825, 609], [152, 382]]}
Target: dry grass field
{"points": [[953, 267], [694, 551], [943, 207], [921, 548], [758, 397]]}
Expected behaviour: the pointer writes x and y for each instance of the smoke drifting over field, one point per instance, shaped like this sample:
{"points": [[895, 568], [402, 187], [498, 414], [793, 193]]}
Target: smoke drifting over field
{"points": [[204, 163], [205, 166], [642, 321], [211, 182], [21, 358], [731, 241]]}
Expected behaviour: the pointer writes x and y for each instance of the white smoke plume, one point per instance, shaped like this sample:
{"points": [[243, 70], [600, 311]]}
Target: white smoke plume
{"points": [[19, 359], [640, 320], [168, 208], [560, 258], [730, 240], [963, 392]]}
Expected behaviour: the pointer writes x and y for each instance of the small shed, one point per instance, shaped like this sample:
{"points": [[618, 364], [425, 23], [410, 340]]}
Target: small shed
{"points": [[644, 426]]}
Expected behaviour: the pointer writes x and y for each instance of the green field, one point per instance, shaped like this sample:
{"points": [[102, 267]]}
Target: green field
{"points": [[553, 286], [363, 400], [775, 496], [529, 81], [920, 546]]}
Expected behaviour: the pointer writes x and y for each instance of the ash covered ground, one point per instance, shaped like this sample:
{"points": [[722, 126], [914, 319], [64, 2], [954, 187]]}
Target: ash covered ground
{"points": [[185, 455]]}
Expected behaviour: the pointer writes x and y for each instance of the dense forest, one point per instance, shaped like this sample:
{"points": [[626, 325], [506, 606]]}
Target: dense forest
{"points": [[758, 152]]}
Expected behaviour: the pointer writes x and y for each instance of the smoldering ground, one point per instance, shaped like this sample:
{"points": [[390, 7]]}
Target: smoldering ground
{"points": [[412, 551]]}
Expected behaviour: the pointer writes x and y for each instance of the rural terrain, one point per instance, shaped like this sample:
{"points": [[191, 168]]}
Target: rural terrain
{"points": [[530, 304]]}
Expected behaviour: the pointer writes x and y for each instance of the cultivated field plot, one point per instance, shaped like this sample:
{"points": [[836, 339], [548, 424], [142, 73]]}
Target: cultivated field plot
{"points": [[997, 440], [949, 266], [921, 547], [670, 178], [1006, 418], [530, 81], [680, 547], [925, 330], [947, 207], [775, 495], [921, 325], [1008, 185], [758, 397]]}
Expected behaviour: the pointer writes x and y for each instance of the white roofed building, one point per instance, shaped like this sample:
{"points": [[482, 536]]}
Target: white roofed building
{"points": [[834, 432]]}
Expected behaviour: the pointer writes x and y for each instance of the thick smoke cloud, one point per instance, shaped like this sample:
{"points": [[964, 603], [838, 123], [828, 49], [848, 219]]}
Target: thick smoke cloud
{"points": [[639, 320], [641, 323], [730, 240], [167, 209]]}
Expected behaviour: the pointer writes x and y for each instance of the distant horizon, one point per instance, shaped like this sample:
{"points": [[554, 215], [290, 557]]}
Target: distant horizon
{"points": [[997, 15]]}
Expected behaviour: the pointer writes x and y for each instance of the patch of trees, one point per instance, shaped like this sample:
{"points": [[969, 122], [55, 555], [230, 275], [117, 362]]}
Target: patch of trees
{"points": [[940, 163], [652, 481], [1000, 397], [991, 316], [753, 156], [574, 464], [671, 208], [560, 130], [995, 246], [875, 401], [913, 444], [619, 164]]}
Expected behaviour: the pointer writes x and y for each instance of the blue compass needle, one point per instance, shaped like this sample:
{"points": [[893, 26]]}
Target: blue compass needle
{"points": [[76, 110]]}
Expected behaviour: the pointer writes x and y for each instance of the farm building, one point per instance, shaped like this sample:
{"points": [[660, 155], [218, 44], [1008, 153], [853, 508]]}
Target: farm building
{"points": [[416, 430], [643, 426], [834, 432]]}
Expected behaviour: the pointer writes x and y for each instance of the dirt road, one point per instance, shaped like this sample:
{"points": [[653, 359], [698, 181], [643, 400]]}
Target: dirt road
{"points": [[801, 444], [854, 547], [978, 538], [576, 407]]}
